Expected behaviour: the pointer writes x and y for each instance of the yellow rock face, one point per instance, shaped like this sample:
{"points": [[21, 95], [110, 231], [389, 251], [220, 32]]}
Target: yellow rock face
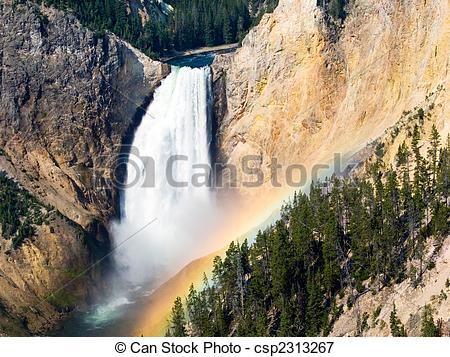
{"points": [[297, 92]]}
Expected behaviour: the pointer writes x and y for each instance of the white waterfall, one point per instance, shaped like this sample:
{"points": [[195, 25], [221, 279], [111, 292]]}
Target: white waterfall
{"points": [[176, 123]]}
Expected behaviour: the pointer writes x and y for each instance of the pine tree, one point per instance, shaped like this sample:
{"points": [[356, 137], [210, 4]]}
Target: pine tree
{"points": [[110, 17], [392, 229], [433, 153], [443, 174], [314, 308], [440, 208], [227, 30], [407, 205], [420, 174], [331, 268], [209, 33], [197, 311], [240, 29], [177, 322], [428, 329], [120, 26], [420, 197], [281, 253], [397, 328]]}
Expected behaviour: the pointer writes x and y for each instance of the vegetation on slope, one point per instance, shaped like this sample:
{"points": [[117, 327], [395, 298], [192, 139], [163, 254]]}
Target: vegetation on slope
{"points": [[397, 328], [197, 23], [19, 211], [357, 234], [334, 8], [193, 23]]}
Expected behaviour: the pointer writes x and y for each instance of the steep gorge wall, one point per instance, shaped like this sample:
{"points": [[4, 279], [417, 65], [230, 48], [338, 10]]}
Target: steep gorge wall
{"points": [[300, 91], [69, 99]]}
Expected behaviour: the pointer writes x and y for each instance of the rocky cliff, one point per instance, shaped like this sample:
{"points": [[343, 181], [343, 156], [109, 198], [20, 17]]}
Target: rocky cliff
{"points": [[69, 99], [153, 10], [370, 315], [301, 89]]}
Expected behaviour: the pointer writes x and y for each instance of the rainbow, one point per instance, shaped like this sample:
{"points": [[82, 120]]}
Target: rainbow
{"points": [[237, 227]]}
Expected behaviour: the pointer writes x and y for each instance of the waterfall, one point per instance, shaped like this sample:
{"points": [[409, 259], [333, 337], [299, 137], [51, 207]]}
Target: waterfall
{"points": [[177, 122]]}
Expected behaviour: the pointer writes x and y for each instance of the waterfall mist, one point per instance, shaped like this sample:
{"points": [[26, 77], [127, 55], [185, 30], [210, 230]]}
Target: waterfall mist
{"points": [[177, 122]]}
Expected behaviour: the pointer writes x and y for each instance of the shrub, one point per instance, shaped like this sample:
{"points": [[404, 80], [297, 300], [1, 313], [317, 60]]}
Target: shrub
{"points": [[61, 300], [349, 302], [376, 314]]}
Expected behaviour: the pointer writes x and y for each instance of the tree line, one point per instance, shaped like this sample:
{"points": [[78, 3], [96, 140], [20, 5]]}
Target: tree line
{"points": [[197, 23], [192, 24], [347, 237]]}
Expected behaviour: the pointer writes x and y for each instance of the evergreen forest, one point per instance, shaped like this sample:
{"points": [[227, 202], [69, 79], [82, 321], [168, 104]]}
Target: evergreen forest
{"points": [[192, 23], [347, 237]]}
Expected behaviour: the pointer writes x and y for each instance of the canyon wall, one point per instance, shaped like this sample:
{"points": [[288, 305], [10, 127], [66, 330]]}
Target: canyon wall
{"points": [[302, 87], [69, 99]]}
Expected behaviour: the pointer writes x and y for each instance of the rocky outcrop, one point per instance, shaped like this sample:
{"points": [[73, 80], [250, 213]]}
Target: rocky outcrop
{"points": [[366, 311], [69, 99], [149, 10], [45, 278], [410, 301], [300, 91]]}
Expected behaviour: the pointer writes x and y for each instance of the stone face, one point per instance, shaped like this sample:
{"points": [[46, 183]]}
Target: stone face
{"points": [[298, 92], [147, 10], [409, 303], [293, 91], [42, 266], [69, 99]]}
